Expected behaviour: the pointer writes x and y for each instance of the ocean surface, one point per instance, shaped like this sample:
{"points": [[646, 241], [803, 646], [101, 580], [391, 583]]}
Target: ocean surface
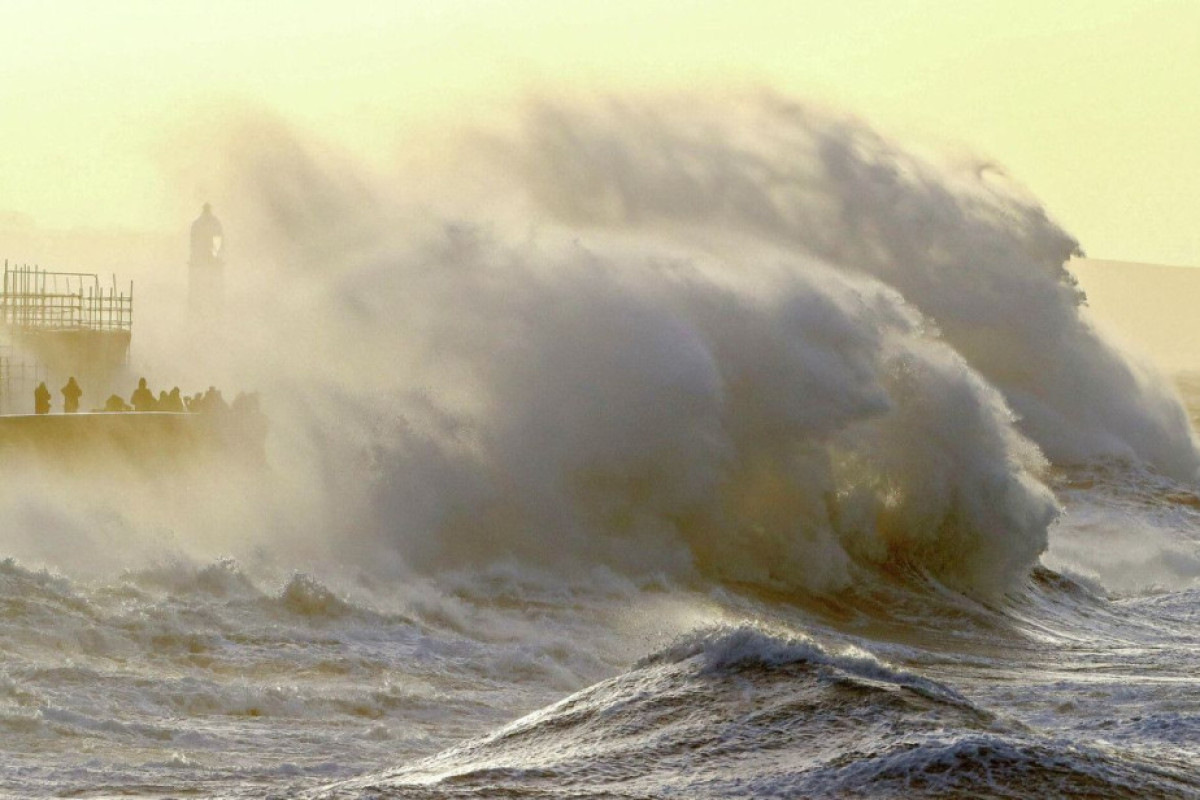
{"points": [[733, 451], [210, 680]]}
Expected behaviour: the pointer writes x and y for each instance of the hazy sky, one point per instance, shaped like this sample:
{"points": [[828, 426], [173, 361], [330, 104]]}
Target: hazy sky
{"points": [[1091, 103]]}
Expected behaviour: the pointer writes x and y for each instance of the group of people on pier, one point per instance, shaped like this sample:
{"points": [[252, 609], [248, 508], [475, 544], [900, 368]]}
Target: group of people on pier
{"points": [[142, 399]]}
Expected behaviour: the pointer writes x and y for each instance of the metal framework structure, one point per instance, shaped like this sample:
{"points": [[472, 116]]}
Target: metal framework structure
{"points": [[54, 324], [16, 376], [34, 299]]}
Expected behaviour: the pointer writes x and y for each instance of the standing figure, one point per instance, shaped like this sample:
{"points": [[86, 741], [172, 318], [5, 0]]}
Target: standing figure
{"points": [[174, 402], [41, 399], [142, 398], [71, 394], [213, 401], [115, 404]]}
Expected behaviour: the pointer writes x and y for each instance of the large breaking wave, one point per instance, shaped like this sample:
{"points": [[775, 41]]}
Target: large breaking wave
{"points": [[743, 372], [748, 339]]}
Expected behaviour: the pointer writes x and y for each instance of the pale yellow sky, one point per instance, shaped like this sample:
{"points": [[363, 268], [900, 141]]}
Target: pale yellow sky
{"points": [[1092, 103], [1149, 310]]}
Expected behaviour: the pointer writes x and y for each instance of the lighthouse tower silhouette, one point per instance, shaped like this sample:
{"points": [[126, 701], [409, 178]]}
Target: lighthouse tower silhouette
{"points": [[206, 266]]}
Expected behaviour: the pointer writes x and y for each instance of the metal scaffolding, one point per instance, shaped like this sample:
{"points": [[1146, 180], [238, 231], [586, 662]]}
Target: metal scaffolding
{"points": [[16, 376], [55, 324], [37, 299]]}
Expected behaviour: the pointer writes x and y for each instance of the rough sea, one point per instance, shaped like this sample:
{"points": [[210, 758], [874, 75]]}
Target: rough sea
{"points": [[672, 448]]}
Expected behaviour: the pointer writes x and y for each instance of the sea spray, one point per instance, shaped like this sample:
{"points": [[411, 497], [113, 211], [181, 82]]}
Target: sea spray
{"points": [[742, 340], [771, 420], [518, 447], [748, 339], [962, 243]]}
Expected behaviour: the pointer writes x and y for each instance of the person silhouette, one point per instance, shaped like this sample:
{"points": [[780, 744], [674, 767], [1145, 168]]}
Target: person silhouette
{"points": [[41, 399], [115, 403], [142, 398], [212, 400], [71, 394], [174, 402]]}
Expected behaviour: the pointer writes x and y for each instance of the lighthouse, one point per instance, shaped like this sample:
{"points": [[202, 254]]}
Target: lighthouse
{"points": [[206, 265]]}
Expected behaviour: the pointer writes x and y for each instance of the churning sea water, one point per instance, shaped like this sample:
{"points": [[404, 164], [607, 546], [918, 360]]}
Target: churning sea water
{"points": [[711, 450]]}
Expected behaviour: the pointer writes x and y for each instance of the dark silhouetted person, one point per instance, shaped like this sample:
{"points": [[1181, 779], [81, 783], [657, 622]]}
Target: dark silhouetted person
{"points": [[142, 398], [71, 394], [41, 399], [116, 403], [212, 400], [174, 402]]}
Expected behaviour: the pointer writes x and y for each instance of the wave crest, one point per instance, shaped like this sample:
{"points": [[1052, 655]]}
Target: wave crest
{"points": [[748, 341]]}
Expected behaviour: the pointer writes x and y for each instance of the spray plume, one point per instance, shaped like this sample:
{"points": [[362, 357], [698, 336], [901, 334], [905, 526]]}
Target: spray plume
{"points": [[743, 341]]}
